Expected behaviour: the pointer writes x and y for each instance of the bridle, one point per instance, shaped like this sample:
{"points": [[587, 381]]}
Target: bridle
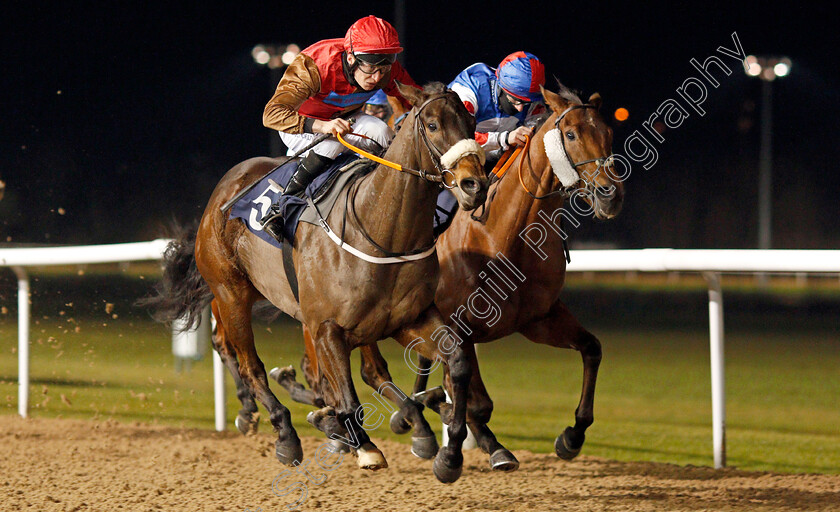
{"points": [[433, 150], [566, 192], [600, 160], [350, 198]]}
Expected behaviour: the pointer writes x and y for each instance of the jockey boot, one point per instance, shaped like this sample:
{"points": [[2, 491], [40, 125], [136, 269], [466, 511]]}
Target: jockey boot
{"points": [[310, 167]]}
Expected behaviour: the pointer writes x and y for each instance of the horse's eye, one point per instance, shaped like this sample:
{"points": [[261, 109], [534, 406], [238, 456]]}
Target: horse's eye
{"points": [[570, 135], [432, 127]]}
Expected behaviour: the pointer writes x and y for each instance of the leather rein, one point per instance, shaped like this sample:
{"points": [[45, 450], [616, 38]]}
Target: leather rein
{"points": [[434, 152], [350, 203]]}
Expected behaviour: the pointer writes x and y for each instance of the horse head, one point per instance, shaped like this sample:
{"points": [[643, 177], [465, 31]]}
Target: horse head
{"points": [[579, 147], [447, 130]]}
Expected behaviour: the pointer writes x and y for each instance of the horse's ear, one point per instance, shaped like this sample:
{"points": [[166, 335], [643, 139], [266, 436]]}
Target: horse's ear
{"points": [[411, 93], [553, 100], [595, 100]]}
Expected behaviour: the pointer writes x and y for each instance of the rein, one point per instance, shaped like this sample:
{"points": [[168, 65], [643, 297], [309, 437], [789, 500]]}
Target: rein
{"points": [[350, 202], [433, 151]]}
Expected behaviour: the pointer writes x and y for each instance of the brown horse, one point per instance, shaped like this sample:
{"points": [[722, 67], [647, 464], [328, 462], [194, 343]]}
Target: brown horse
{"points": [[347, 302], [521, 228]]}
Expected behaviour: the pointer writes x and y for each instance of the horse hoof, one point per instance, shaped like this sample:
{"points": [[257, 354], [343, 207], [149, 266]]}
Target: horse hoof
{"points": [[281, 374], [443, 472], [316, 417], [249, 424], [290, 452], [371, 458], [337, 446], [563, 445], [503, 460], [424, 447], [398, 423]]}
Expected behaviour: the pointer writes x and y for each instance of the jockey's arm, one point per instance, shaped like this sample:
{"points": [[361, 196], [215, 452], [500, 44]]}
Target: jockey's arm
{"points": [[488, 139], [300, 81]]}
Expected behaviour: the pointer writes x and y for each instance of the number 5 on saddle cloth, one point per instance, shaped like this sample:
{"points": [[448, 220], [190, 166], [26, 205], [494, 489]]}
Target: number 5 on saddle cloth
{"points": [[324, 191]]}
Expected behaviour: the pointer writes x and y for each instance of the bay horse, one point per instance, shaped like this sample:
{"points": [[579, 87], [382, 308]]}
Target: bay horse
{"points": [[532, 306], [345, 301]]}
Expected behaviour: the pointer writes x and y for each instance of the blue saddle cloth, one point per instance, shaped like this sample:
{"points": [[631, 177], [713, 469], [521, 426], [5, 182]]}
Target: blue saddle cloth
{"points": [[255, 204], [447, 207]]}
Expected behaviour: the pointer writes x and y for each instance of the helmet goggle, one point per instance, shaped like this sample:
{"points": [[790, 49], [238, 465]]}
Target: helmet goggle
{"points": [[516, 102], [370, 63]]}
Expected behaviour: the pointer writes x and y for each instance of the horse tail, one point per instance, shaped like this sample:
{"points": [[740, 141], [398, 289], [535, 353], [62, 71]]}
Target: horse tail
{"points": [[182, 292]]}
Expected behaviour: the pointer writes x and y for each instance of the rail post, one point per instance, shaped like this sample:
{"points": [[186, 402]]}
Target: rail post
{"points": [[716, 339]]}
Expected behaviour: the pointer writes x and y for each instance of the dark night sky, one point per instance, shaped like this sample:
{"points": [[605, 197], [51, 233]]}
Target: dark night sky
{"points": [[126, 115]]}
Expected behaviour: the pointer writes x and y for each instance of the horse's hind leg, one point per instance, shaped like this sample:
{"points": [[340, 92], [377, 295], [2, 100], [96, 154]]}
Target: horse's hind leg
{"points": [[409, 416], [560, 329], [248, 419], [286, 376], [236, 319]]}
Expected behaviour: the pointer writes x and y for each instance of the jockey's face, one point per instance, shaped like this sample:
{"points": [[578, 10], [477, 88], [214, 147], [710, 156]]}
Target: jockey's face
{"points": [[367, 76]]}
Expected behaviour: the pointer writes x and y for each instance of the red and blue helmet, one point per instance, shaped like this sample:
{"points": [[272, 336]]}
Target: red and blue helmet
{"points": [[521, 74]]}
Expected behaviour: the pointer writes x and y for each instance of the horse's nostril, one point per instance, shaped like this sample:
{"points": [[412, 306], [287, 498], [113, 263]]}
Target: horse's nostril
{"points": [[469, 185]]}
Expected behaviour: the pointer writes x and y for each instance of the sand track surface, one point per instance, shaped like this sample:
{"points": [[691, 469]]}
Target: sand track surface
{"points": [[69, 465]]}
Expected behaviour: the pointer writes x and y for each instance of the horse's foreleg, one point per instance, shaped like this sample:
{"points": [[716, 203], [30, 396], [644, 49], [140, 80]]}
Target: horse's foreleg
{"points": [[248, 419], [333, 361], [560, 329], [236, 319], [409, 416], [431, 338]]}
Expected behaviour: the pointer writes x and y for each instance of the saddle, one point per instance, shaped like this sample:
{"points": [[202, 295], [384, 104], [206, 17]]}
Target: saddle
{"points": [[324, 191]]}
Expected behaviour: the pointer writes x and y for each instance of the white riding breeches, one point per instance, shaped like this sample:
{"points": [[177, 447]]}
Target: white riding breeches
{"points": [[369, 126]]}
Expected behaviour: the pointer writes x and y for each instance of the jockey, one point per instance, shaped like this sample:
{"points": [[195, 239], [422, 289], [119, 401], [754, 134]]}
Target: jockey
{"points": [[329, 79], [378, 106], [502, 99]]}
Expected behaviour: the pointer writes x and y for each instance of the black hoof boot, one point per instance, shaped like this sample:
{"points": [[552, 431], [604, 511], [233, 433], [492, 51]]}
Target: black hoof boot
{"points": [[289, 452], [399, 425], [447, 466], [564, 447], [503, 460], [424, 447], [248, 423]]}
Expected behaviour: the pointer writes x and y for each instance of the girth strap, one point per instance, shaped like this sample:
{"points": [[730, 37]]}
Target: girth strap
{"points": [[289, 268]]}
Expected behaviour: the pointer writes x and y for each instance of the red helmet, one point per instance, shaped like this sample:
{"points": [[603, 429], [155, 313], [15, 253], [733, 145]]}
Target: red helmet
{"points": [[372, 35]]}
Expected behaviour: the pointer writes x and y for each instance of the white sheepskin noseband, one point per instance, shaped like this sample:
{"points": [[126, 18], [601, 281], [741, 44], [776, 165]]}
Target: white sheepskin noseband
{"points": [[560, 163], [462, 148]]}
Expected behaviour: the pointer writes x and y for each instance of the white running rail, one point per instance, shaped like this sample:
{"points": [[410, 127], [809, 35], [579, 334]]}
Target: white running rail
{"points": [[709, 262]]}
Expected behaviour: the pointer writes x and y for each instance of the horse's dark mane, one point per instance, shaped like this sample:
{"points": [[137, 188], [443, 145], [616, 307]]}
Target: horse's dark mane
{"points": [[568, 94], [434, 88]]}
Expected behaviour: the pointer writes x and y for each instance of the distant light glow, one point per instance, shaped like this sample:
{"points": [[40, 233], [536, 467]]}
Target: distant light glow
{"points": [[768, 68], [768, 74], [262, 57], [293, 48], [621, 114], [288, 57]]}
